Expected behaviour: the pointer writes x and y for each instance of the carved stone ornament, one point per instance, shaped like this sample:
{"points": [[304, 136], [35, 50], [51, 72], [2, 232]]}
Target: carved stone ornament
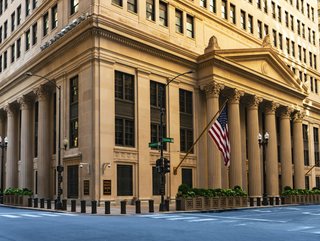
{"points": [[213, 89], [271, 107], [298, 116], [25, 102], [235, 96], [254, 101], [212, 45], [11, 109], [266, 43], [286, 112], [42, 92]]}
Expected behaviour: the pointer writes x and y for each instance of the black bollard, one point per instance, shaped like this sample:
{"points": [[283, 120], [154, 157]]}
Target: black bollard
{"points": [[41, 202], [251, 202], [277, 201], [64, 204], [167, 204], [30, 202], [107, 207], [271, 200], [93, 207], [151, 206], [282, 201], [178, 204], [35, 202], [73, 205], [138, 206], [83, 206], [48, 204], [123, 204], [55, 204], [258, 201]]}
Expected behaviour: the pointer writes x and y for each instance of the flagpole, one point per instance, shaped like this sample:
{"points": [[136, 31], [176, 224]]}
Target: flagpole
{"points": [[190, 149]]}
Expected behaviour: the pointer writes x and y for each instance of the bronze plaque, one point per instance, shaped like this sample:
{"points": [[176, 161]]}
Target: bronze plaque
{"points": [[86, 187], [106, 187]]}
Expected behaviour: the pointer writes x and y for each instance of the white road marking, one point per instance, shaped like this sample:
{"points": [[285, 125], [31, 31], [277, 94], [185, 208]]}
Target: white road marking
{"points": [[165, 216], [181, 218], [248, 219], [201, 220], [300, 228], [30, 215], [49, 215], [9, 216]]}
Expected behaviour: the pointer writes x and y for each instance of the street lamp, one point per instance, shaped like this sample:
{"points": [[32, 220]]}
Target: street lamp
{"points": [[163, 164], [263, 141], [3, 146], [59, 167]]}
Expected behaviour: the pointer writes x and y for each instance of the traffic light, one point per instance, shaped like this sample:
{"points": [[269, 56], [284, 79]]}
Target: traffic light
{"points": [[166, 165], [159, 165]]}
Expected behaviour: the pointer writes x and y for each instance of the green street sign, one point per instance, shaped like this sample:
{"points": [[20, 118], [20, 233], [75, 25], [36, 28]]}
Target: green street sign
{"points": [[154, 144], [167, 139]]}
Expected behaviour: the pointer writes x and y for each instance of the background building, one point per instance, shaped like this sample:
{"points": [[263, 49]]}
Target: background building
{"points": [[111, 59]]}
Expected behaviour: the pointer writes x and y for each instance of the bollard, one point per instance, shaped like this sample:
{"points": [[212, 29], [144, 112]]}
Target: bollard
{"points": [[83, 206], [123, 207], [73, 205], [64, 204], [258, 201], [30, 202], [48, 204], [93, 207], [271, 201], [107, 207], [1, 199], [55, 204], [41, 202], [277, 201], [167, 205], [151, 206], [35, 202], [178, 205], [138, 206], [251, 202], [282, 201]]}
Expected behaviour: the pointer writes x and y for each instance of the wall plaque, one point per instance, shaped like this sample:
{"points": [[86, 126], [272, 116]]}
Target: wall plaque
{"points": [[106, 187], [86, 187]]}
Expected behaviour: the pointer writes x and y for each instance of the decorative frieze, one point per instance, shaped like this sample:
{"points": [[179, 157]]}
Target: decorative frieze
{"points": [[125, 155]]}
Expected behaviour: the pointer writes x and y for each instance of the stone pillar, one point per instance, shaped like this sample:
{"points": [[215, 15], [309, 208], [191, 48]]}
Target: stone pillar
{"points": [[298, 156], [26, 180], [253, 148], [213, 154], [43, 143], [12, 149], [271, 155], [285, 147], [3, 135], [235, 139]]}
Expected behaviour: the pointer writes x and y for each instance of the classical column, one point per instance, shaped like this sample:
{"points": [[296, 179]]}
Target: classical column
{"points": [[43, 164], [298, 157], [12, 149], [271, 155], [26, 176], [285, 147], [253, 147], [235, 139], [213, 154]]}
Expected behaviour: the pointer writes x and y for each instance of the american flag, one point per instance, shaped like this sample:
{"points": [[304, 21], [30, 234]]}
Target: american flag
{"points": [[219, 133]]}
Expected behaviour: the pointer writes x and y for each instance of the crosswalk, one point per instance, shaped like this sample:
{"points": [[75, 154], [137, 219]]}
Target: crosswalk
{"points": [[33, 215]]}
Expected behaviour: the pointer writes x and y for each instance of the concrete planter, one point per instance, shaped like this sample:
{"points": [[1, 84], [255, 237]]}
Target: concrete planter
{"points": [[15, 200]]}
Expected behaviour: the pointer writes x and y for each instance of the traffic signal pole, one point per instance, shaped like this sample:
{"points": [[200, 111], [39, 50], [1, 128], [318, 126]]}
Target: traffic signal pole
{"points": [[162, 173]]}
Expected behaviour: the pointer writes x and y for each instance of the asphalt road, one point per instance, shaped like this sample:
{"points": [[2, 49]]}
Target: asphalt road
{"points": [[294, 223]]}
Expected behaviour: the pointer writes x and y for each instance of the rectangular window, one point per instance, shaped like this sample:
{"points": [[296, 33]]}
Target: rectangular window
{"points": [[186, 174], [266, 30], [45, 21], [186, 120], [18, 48], [315, 61], [280, 41], [259, 4], [316, 86], [265, 6], [273, 7], [155, 182], [313, 38], [286, 15], [308, 10], [0, 34], [224, 9], [305, 144], [312, 13], [250, 23], [1, 7], [12, 53], [132, 6], [124, 180], [303, 30], [310, 59], [243, 19], [34, 4], [27, 38], [233, 13], [213, 6], [27, 8], [292, 22], [124, 109], [74, 6], [5, 59], [34, 33], [293, 49], [279, 14], [150, 11], [36, 124], [203, 3], [299, 53], [54, 16], [298, 27], [179, 21], [311, 84], [74, 112], [260, 29], [274, 35], [307, 182], [18, 15], [117, 2], [190, 27], [13, 18], [163, 14], [0, 63], [5, 29], [304, 55], [318, 180]]}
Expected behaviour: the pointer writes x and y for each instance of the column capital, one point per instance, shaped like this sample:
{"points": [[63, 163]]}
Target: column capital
{"points": [[298, 116], [213, 89], [25, 102], [235, 95], [271, 107], [286, 112], [42, 92], [254, 101], [11, 109]]}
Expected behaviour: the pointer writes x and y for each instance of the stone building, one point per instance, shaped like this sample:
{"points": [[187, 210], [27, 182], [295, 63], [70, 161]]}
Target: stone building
{"points": [[111, 58]]}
